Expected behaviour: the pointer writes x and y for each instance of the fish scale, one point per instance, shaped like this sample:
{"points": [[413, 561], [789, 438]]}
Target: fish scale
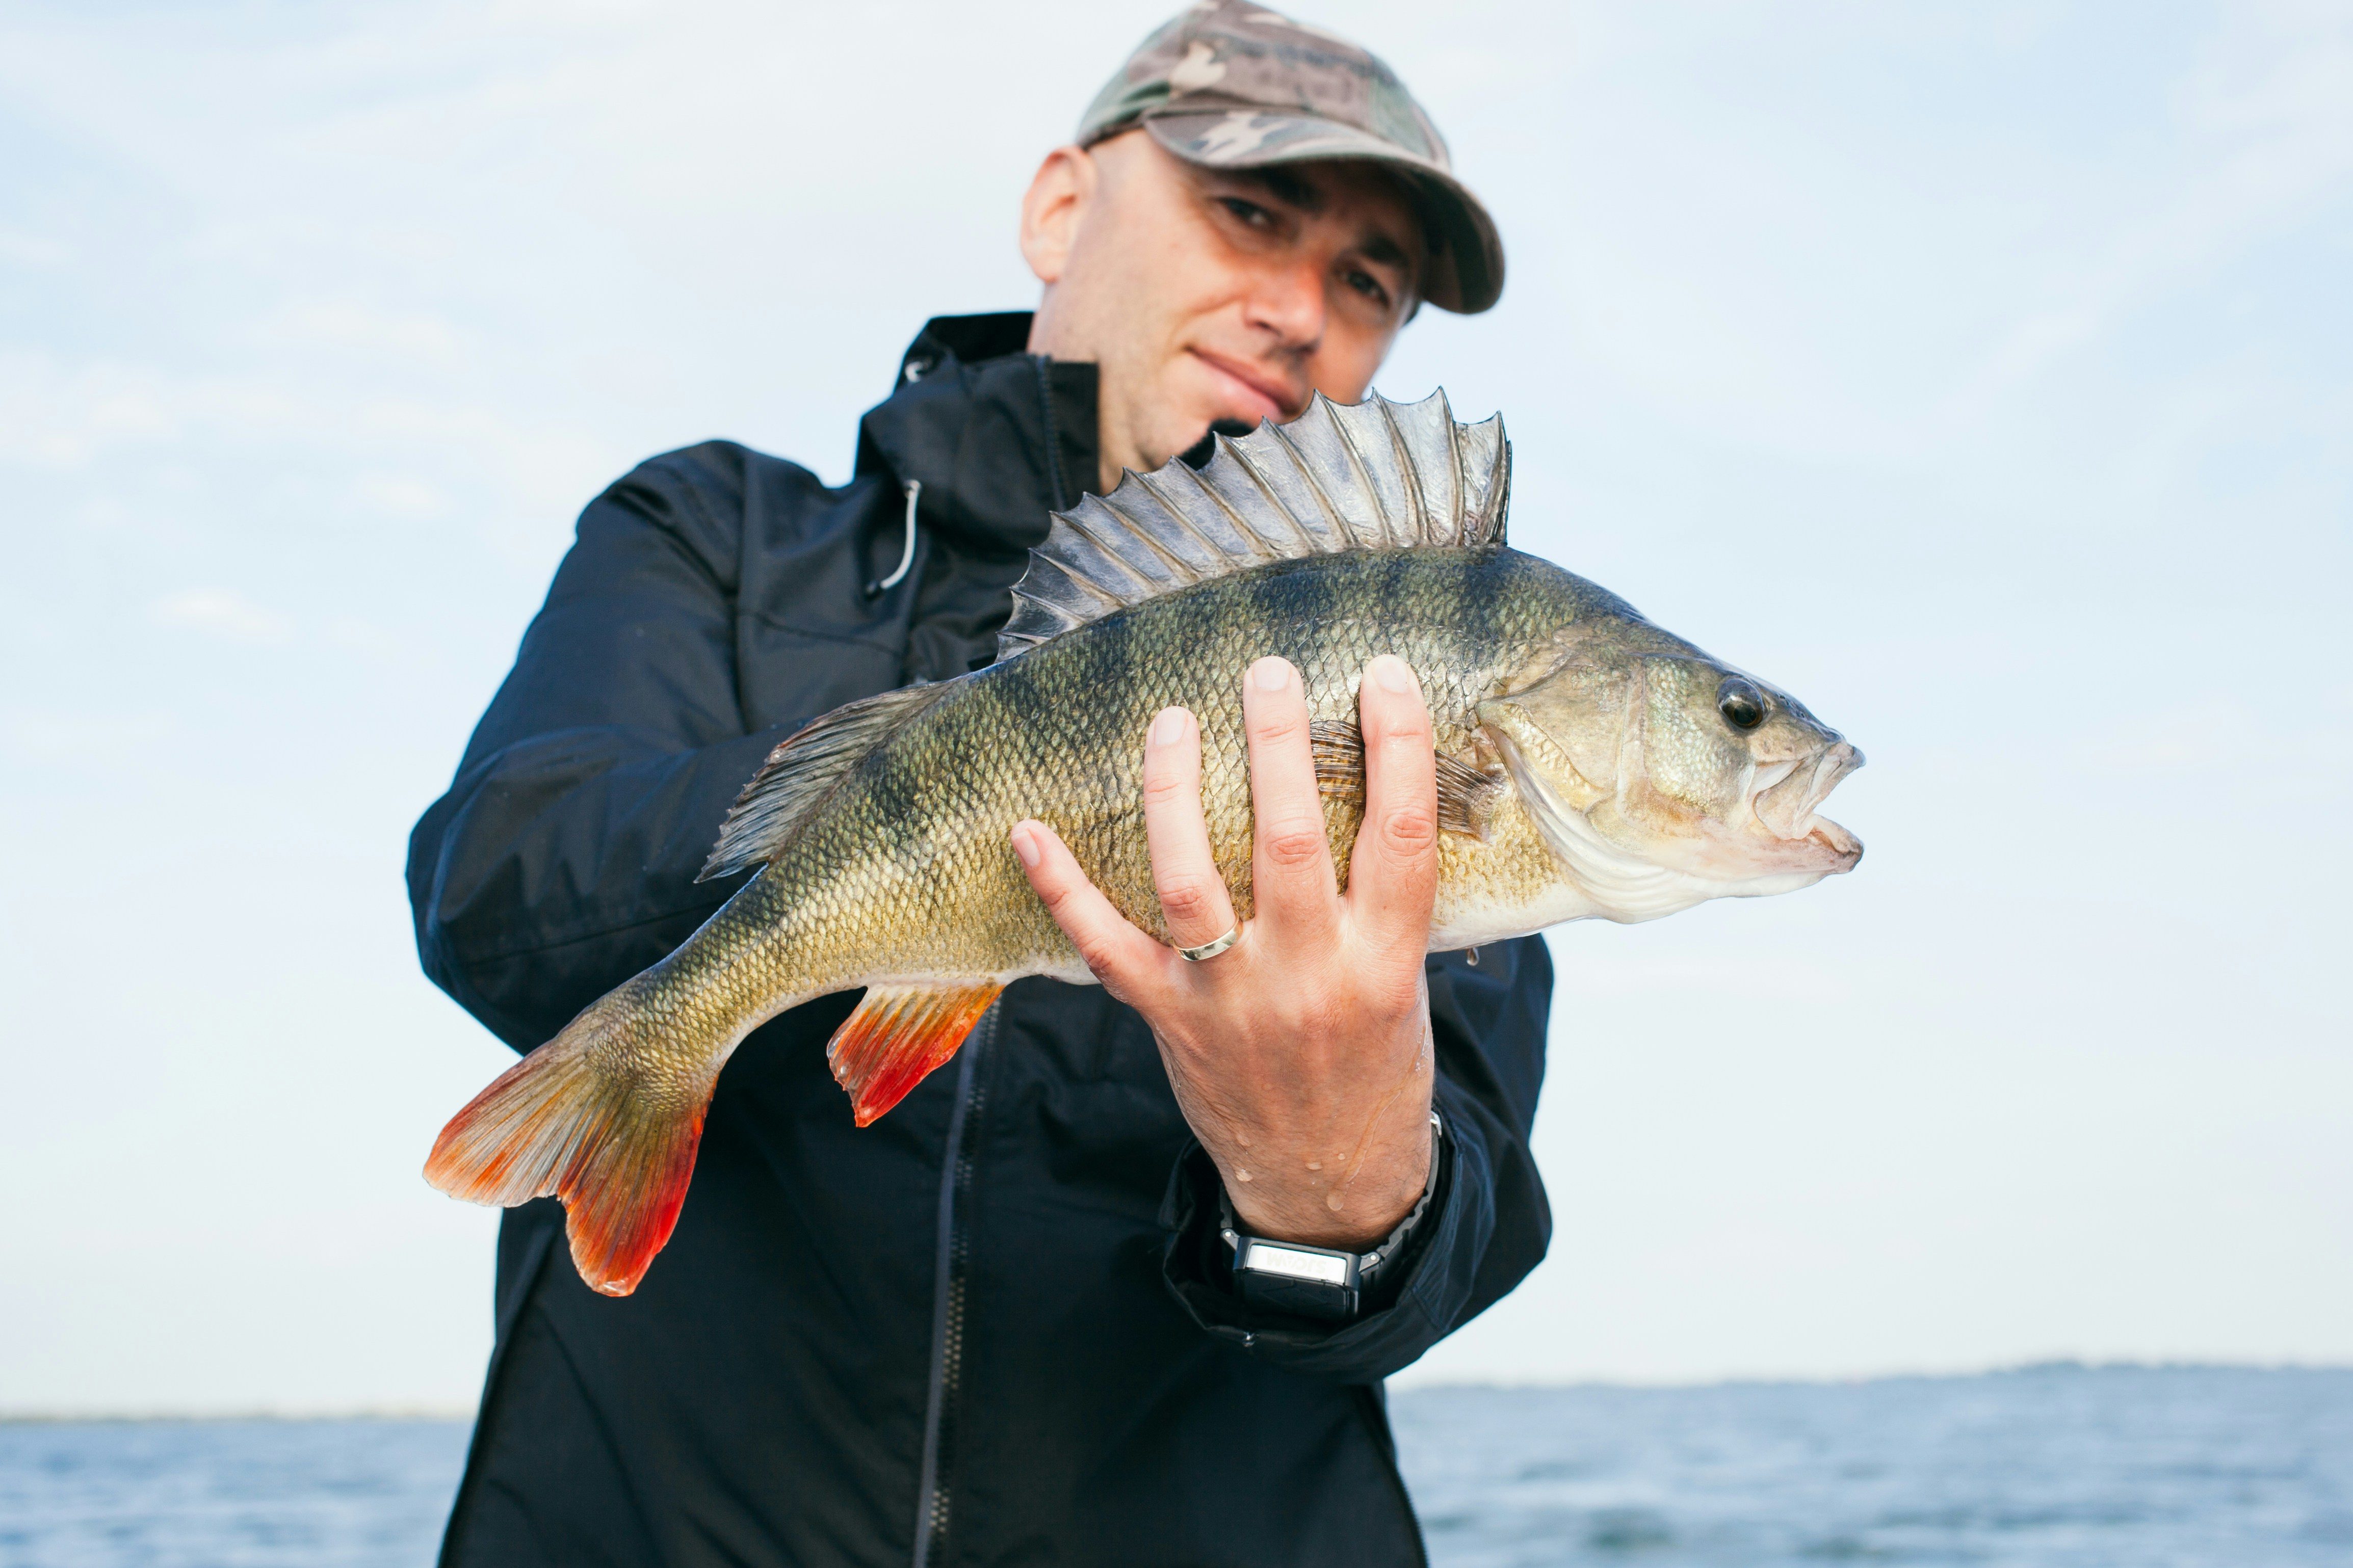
{"points": [[883, 887], [1602, 772]]}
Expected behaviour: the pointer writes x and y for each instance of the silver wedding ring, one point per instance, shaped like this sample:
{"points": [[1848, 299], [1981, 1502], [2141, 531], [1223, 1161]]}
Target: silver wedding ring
{"points": [[1210, 949]]}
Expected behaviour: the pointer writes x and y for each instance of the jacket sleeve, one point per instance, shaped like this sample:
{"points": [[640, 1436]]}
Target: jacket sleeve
{"points": [[1488, 1222], [563, 858]]}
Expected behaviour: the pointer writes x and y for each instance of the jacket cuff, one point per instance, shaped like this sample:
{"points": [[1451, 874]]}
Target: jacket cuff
{"points": [[1416, 1305]]}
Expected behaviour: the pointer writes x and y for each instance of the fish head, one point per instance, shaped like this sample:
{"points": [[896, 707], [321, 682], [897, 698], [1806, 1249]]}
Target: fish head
{"points": [[1660, 777]]}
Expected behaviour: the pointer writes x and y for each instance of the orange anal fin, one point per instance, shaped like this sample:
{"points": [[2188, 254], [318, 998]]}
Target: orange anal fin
{"points": [[898, 1034]]}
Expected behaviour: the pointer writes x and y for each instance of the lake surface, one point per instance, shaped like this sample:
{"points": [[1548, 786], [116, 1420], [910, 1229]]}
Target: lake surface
{"points": [[2042, 1469], [2047, 1467]]}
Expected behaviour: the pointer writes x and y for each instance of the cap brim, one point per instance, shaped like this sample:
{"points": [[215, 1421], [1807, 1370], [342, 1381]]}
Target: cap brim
{"points": [[1466, 271]]}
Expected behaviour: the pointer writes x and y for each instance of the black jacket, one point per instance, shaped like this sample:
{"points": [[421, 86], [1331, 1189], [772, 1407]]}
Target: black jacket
{"points": [[996, 1326]]}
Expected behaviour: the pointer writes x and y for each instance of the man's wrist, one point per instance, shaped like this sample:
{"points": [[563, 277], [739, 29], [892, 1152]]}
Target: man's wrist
{"points": [[1329, 1283], [1335, 1201]]}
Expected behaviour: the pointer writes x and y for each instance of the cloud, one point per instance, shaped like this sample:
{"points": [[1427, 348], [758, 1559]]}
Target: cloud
{"points": [[20, 248], [400, 497], [53, 418], [364, 331], [225, 614], [57, 416], [46, 737]]}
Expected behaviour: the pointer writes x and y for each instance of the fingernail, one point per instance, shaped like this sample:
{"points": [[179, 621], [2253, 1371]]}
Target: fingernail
{"points": [[1393, 674], [1169, 726], [1025, 844], [1271, 674]]}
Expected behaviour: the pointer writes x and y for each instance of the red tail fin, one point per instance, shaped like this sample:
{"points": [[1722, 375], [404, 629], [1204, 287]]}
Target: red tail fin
{"points": [[899, 1034], [618, 1148]]}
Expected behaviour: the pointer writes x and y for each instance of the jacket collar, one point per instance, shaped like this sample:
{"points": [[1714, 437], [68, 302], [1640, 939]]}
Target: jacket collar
{"points": [[998, 437]]}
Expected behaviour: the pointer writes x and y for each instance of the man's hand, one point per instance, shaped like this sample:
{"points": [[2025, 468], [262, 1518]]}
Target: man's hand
{"points": [[1302, 1054]]}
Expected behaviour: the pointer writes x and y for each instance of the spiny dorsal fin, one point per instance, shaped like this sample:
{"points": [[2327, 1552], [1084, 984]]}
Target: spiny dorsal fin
{"points": [[802, 770], [1371, 476]]}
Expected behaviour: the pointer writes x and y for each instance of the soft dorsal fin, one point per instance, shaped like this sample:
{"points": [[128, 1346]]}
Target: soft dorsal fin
{"points": [[802, 770], [1371, 476]]}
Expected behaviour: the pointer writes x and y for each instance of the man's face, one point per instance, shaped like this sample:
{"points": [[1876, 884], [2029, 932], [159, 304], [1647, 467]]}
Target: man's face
{"points": [[1214, 294]]}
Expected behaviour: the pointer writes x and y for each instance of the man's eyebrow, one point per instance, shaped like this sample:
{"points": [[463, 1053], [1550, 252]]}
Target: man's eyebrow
{"points": [[1283, 186], [1376, 246]]}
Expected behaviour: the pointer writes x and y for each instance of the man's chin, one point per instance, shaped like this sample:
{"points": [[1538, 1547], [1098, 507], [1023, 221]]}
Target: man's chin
{"points": [[1198, 454], [1200, 402]]}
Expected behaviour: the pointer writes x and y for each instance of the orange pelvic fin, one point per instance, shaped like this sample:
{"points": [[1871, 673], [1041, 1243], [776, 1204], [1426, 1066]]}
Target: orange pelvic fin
{"points": [[899, 1034], [617, 1149]]}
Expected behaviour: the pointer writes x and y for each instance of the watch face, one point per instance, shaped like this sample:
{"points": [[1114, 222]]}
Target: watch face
{"points": [[1318, 1264], [1305, 1281]]}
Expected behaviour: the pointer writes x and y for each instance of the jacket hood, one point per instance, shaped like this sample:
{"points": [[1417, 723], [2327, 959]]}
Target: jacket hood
{"points": [[999, 437]]}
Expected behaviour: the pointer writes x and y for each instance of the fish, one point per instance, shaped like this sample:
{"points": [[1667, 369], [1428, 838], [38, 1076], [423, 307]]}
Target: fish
{"points": [[1590, 765]]}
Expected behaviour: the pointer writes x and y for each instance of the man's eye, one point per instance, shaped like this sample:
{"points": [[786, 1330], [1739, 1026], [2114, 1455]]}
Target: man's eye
{"points": [[1250, 213], [1367, 285]]}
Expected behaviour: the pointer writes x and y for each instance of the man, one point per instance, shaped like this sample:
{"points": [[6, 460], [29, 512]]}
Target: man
{"points": [[1005, 1323]]}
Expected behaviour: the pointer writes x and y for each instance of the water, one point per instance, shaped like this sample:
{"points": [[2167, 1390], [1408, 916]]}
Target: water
{"points": [[226, 1494], [2043, 1468]]}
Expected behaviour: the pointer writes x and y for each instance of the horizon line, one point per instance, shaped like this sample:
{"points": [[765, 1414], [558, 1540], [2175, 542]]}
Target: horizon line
{"points": [[428, 1411]]}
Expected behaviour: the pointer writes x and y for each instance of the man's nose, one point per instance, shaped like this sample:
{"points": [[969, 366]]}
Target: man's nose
{"points": [[1287, 300]]}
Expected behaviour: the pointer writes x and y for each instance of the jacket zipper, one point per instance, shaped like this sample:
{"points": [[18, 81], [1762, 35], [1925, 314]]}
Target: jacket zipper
{"points": [[1053, 435], [950, 1269], [955, 1246]]}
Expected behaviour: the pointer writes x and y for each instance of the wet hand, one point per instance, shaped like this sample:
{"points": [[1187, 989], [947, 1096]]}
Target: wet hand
{"points": [[1302, 1055]]}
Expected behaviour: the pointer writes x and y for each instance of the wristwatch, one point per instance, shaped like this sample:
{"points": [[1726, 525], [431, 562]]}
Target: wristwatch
{"points": [[1316, 1281]]}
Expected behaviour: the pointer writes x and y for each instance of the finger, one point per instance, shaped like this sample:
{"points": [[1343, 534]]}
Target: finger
{"points": [[1128, 963], [1290, 863], [1193, 897], [1393, 873]]}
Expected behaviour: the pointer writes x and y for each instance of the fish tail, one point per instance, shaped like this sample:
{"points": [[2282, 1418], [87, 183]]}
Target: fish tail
{"points": [[609, 1128]]}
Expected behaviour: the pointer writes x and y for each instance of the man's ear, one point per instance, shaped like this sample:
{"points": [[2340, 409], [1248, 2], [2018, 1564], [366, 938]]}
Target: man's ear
{"points": [[1051, 210]]}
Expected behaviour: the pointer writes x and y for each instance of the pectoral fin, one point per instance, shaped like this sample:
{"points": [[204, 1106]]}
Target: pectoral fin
{"points": [[898, 1034], [1466, 797]]}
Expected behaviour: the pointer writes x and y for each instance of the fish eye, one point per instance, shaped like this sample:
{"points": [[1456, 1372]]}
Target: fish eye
{"points": [[1741, 705]]}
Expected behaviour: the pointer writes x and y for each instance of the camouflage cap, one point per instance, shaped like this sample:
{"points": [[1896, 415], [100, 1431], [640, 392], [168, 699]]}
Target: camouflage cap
{"points": [[1232, 84]]}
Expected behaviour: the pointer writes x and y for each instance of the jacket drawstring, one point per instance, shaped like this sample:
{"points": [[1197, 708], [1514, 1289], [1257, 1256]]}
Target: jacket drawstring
{"points": [[906, 556]]}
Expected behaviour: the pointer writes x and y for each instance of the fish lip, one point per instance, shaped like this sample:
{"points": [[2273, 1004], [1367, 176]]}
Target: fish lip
{"points": [[1839, 842], [1787, 805]]}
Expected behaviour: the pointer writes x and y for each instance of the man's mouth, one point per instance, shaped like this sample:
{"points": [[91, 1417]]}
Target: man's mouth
{"points": [[1252, 394]]}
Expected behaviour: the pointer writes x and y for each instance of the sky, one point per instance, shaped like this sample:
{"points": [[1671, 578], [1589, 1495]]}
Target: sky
{"points": [[1982, 372]]}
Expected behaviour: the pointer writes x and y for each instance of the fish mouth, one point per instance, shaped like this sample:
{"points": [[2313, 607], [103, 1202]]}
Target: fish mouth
{"points": [[1635, 868], [1789, 793]]}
